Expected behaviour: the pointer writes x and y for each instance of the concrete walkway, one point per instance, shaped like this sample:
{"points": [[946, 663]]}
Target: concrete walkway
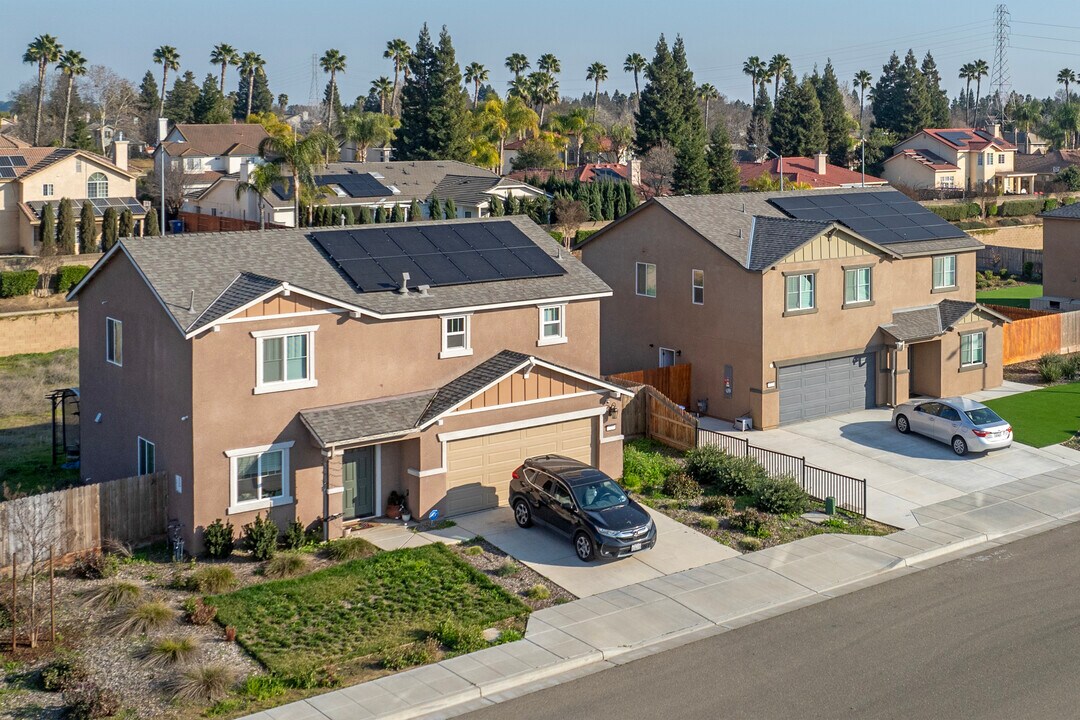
{"points": [[618, 626]]}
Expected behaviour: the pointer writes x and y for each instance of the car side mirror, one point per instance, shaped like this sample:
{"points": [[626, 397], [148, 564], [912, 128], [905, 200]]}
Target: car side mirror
{"points": [[566, 505]]}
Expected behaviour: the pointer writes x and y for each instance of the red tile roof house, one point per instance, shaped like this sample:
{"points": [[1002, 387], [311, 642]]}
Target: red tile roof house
{"points": [[309, 374], [816, 173], [960, 158]]}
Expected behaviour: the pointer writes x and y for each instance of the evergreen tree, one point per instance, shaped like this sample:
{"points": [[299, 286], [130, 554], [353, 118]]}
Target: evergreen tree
{"points": [[631, 196], [883, 96], [691, 176], [151, 223], [938, 98], [88, 228], [495, 207], [80, 137], [607, 208], [450, 209], [723, 173], [180, 103], [434, 113], [262, 100], [127, 223], [399, 214], [797, 126], [65, 227], [620, 202], [380, 215], [350, 216], [48, 231], [913, 100], [211, 107], [148, 106], [415, 213], [757, 132], [365, 216], [434, 207], [659, 115], [835, 120], [515, 205], [110, 229]]}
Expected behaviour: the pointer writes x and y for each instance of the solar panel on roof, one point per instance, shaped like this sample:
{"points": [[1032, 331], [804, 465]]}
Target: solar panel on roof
{"points": [[410, 241], [356, 185], [6, 172], [883, 217], [368, 275], [956, 137], [475, 267], [5, 161], [18, 160]]}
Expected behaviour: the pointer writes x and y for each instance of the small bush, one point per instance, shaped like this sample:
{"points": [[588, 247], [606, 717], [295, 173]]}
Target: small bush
{"points": [[143, 618], [644, 468], [971, 225], [781, 496], [1070, 366], [286, 564], [213, 579], [474, 550], [955, 213], [88, 701], [558, 236], [1010, 222], [409, 656], [992, 209], [750, 544], [538, 592], [199, 612], [16, 283], [458, 638], [352, 548], [706, 465], [718, 505], [709, 523], [263, 687], [509, 636], [752, 522], [508, 568], [261, 535], [111, 595], [219, 539], [69, 276], [170, 651], [1050, 204], [95, 565], [1029, 270], [681, 486], [582, 236], [1016, 208], [294, 537], [1068, 200], [740, 475], [834, 523], [206, 683], [64, 672], [1051, 367]]}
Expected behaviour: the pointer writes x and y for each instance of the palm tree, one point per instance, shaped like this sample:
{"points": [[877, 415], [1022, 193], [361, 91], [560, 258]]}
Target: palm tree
{"points": [[707, 93], [980, 69], [332, 62], [500, 119], [169, 59], [368, 130], [399, 51], [282, 101], [549, 63], [863, 81], [300, 156], [1065, 77], [260, 181], [635, 63], [778, 65], [224, 55], [521, 88], [597, 72], [756, 69], [517, 63], [251, 63], [72, 63], [382, 87], [543, 90], [967, 74], [43, 51], [475, 73], [1024, 116]]}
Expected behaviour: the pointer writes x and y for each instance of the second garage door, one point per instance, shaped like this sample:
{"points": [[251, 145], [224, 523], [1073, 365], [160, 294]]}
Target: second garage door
{"points": [[478, 469], [828, 387]]}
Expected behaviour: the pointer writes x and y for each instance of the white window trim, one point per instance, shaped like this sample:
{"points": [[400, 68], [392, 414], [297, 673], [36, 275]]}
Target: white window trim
{"points": [[799, 292], [286, 479], [694, 286], [310, 381], [933, 273], [982, 349], [448, 352], [48, 189], [108, 330], [660, 357], [869, 286], [561, 337], [646, 293], [138, 456]]}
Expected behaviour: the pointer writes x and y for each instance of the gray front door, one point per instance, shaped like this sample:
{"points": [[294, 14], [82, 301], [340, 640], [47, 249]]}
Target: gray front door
{"points": [[827, 387], [358, 478]]}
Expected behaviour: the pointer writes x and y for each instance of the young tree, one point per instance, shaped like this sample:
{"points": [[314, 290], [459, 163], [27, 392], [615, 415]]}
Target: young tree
{"points": [[151, 224], [88, 233], [380, 214], [169, 59], [365, 217], [110, 229], [433, 114], [450, 209], [398, 215], [415, 213], [65, 228], [723, 173], [658, 165], [48, 231], [435, 207], [224, 55], [42, 52], [36, 528], [757, 132], [72, 64], [570, 215], [127, 223]]}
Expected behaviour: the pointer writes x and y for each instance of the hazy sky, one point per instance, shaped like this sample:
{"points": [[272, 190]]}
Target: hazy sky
{"points": [[719, 35]]}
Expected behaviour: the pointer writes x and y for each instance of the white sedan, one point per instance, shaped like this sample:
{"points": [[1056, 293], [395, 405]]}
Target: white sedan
{"points": [[960, 423]]}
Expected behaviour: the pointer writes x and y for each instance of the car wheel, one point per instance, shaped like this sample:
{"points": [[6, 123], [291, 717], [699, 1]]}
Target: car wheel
{"points": [[902, 424], [522, 514], [959, 445], [583, 546]]}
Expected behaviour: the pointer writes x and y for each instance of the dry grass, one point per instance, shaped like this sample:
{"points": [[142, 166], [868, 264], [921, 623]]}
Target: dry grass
{"points": [[111, 595], [142, 619], [171, 651], [213, 579], [206, 683], [286, 564], [26, 379]]}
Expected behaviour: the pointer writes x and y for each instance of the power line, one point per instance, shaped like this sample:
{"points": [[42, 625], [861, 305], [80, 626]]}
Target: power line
{"points": [[1053, 25]]}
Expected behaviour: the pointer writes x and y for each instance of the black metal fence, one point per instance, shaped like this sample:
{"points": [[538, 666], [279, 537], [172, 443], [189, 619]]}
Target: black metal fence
{"points": [[819, 483]]}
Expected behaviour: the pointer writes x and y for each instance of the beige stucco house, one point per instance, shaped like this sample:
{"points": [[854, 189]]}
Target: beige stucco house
{"points": [[31, 177], [962, 158], [286, 372], [1061, 260], [798, 305]]}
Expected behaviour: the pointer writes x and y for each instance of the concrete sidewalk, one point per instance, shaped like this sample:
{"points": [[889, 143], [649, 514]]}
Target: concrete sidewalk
{"points": [[621, 625]]}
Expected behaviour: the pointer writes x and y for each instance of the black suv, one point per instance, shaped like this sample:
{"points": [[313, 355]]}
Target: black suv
{"points": [[583, 504]]}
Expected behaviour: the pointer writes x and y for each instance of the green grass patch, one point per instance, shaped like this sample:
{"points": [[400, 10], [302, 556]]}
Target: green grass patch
{"points": [[646, 463], [345, 613], [1047, 416], [1019, 296]]}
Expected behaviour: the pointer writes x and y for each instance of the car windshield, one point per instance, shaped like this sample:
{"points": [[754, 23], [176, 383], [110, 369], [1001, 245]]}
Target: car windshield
{"points": [[983, 416], [600, 495]]}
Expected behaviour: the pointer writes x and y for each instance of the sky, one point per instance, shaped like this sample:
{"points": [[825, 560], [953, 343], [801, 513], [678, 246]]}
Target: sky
{"points": [[719, 36]]}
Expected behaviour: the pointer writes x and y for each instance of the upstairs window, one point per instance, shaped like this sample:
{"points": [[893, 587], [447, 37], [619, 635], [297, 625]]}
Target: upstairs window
{"points": [[456, 340], [646, 279], [1001, 158], [857, 286], [944, 272], [47, 190], [799, 292], [147, 457], [97, 186], [989, 158], [552, 325], [114, 341], [285, 359], [697, 287]]}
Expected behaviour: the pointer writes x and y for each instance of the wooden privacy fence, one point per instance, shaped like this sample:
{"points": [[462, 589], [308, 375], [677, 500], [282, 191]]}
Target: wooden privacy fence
{"points": [[1031, 337], [998, 257], [672, 381], [131, 510], [198, 222], [667, 422]]}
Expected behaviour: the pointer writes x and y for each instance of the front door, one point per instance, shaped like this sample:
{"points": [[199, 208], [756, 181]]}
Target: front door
{"points": [[358, 479]]}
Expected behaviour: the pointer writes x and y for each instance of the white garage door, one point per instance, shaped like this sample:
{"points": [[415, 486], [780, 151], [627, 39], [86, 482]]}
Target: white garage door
{"points": [[478, 469]]}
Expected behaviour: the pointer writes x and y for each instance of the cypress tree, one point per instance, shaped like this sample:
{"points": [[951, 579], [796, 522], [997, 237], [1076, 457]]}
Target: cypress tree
{"points": [[48, 231], [434, 113], [110, 229], [350, 216], [434, 207], [151, 224], [631, 196], [65, 228], [620, 202], [399, 214], [691, 175], [723, 174], [88, 228], [449, 209], [127, 223], [659, 115], [508, 205], [913, 100], [495, 207], [835, 120], [757, 131], [883, 96], [415, 213], [380, 215], [365, 216], [515, 205], [938, 98], [797, 127]]}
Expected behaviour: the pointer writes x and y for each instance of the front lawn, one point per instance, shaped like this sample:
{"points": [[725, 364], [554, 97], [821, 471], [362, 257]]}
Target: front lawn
{"points": [[1017, 296], [1042, 417], [343, 614]]}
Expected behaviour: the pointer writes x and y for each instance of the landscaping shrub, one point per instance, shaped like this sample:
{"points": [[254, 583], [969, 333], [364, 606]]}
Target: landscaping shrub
{"points": [[1070, 366], [263, 687], [709, 523], [95, 565], [582, 235], [645, 468], [409, 656], [294, 537], [718, 505], [955, 213], [219, 539], [992, 209], [971, 225], [508, 568], [681, 486], [141, 619], [706, 464], [1050, 204], [88, 701], [474, 550], [750, 544], [509, 636], [212, 580], [740, 475], [15, 283], [111, 595], [199, 612], [262, 537], [458, 638], [1029, 270], [69, 276], [1010, 222], [752, 522], [556, 234], [286, 564], [352, 548], [1051, 367], [64, 672], [1068, 200], [538, 592], [206, 683], [170, 651], [780, 496], [1015, 208]]}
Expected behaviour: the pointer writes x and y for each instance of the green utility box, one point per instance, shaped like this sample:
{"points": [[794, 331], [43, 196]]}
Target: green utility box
{"points": [[830, 506]]}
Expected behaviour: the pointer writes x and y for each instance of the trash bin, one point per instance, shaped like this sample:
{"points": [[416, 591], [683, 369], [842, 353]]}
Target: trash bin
{"points": [[176, 226], [830, 505]]}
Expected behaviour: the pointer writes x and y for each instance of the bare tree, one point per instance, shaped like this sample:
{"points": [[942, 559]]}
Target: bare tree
{"points": [[177, 185], [36, 526], [570, 214], [113, 99], [657, 167]]}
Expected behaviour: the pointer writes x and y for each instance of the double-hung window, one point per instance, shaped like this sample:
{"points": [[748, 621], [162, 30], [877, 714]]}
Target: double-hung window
{"points": [[646, 279], [456, 336], [285, 359], [259, 477], [47, 190], [857, 286], [697, 287], [1001, 159], [147, 459], [552, 325], [972, 348], [799, 291], [944, 272], [114, 341], [989, 158]]}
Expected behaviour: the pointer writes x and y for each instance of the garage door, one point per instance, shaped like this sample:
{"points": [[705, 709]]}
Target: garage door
{"points": [[828, 387], [478, 469]]}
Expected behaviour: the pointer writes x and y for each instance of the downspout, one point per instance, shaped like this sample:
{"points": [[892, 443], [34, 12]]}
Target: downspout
{"points": [[327, 455], [892, 371]]}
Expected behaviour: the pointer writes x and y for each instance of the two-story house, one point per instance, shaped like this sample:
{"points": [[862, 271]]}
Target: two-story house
{"points": [[309, 374], [797, 305], [206, 152], [1061, 260], [962, 158]]}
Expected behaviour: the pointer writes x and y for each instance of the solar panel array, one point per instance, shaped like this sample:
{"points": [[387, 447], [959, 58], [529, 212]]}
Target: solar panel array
{"points": [[99, 205], [450, 254], [881, 217], [357, 185], [8, 163], [957, 137]]}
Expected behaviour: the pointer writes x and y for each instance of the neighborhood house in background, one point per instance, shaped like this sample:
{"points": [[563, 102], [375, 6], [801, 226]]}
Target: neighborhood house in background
{"points": [[958, 158], [1061, 260]]}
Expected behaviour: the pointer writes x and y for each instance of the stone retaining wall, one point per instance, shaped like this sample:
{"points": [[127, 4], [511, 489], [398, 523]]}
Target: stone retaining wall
{"points": [[38, 331]]}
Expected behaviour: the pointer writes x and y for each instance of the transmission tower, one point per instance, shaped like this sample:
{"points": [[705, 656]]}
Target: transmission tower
{"points": [[313, 91], [1000, 80]]}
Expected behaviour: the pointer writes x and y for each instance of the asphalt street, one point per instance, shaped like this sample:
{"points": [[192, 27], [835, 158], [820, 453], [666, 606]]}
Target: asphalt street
{"points": [[993, 635]]}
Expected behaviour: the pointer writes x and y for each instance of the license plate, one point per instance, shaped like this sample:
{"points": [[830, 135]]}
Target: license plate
{"points": [[635, 547]]}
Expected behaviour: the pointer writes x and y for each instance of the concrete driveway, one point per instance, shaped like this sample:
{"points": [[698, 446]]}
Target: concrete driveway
{"points": [[903, 472], [677, 548]]}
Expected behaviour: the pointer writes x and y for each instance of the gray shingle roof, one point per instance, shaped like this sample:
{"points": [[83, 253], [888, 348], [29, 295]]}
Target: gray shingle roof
{"points": [[927, 322], [466, 189], [245, 288], [457, 390], [952, 310], [208, 263], [775, 238], [1071, 211]]}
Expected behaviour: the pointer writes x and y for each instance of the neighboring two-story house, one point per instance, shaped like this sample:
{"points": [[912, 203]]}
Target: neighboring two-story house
{"points": [[206, 152], [816, 172], [309, 374], [1061, 260], [797, 305], [962, 158]]}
